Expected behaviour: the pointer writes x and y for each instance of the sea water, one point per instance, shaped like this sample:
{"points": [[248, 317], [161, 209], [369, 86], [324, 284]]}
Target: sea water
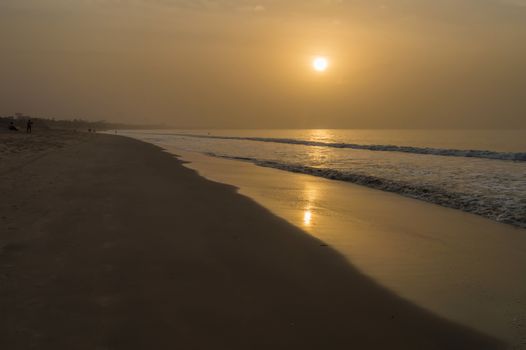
{"points": [[478, 171]]}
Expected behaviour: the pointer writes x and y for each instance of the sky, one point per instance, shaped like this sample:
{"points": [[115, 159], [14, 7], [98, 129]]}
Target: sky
{"points": [[248, 63]]}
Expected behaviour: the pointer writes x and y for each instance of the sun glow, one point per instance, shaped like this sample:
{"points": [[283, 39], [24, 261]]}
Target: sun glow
{"points": [[320, 64]]}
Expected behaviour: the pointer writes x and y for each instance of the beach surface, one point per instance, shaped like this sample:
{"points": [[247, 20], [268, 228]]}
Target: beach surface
{"points": [[110, 243], [460, 266]]}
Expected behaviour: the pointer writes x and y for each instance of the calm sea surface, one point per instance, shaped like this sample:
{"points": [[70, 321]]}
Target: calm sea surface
{"points": [[477, 171]]}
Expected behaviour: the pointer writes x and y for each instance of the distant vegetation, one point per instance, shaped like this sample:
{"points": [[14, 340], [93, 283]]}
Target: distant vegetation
{"points": [[20, 120]]}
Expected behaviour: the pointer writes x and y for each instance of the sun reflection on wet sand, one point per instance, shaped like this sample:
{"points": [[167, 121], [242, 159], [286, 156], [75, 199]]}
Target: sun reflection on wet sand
{"points": [[310, 195], [307, 217]]}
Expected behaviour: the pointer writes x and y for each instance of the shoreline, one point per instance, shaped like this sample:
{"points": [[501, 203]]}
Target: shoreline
{"points": [[112, 243], [436, 179], [460, 266]]}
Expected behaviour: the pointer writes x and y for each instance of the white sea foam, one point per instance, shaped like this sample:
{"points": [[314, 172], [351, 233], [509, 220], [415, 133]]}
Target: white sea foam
{"points": [[501, 209], [485, 154]]}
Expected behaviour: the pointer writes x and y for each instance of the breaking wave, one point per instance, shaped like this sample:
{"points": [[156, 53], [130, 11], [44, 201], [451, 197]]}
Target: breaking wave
{"points": [[510, 156], [498, 209]]}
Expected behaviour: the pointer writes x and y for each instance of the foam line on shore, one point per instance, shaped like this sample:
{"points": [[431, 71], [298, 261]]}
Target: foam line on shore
{"points": [[483, 154], [490, 208]]}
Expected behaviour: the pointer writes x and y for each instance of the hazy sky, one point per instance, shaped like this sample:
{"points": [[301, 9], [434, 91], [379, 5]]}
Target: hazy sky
{"points": [[247, 64]]}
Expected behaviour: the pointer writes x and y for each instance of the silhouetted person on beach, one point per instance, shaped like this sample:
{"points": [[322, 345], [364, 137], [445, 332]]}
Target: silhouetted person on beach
{"points": [[12, 127], [29, 124]]}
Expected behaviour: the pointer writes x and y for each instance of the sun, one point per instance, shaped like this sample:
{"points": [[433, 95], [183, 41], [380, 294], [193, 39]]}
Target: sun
{"points": [[320, 64]]}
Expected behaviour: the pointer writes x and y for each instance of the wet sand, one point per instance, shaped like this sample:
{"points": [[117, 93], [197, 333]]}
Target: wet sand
{"points": [[110, 243], [460, 266]]}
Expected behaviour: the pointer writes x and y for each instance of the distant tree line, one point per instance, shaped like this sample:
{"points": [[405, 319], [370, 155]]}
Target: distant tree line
{"points": [[20, 120]]}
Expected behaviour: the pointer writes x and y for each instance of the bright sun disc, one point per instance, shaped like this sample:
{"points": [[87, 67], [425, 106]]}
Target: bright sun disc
{"points": [[320, 64]]}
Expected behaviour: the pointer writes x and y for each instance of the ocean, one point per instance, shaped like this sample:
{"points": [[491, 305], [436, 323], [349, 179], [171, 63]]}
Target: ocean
{"points": [[477, 171]]}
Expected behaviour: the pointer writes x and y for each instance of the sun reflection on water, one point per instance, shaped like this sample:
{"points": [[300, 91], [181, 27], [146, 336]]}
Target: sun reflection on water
{"points": [[320, 135]]}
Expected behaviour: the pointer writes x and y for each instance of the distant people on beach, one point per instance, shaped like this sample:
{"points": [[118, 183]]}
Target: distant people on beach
{"points": [[12, 127], [29, 124]]}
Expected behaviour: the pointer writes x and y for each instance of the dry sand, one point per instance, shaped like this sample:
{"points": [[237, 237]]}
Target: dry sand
{"points": [[110, 243]]}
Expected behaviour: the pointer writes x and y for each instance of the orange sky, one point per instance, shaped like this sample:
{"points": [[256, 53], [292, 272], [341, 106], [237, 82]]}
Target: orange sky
{"points": [[247, 64]]}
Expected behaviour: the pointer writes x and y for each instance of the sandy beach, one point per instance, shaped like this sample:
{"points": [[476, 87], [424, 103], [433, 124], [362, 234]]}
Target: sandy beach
{"points": [[110, 243], [460, 266]]}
